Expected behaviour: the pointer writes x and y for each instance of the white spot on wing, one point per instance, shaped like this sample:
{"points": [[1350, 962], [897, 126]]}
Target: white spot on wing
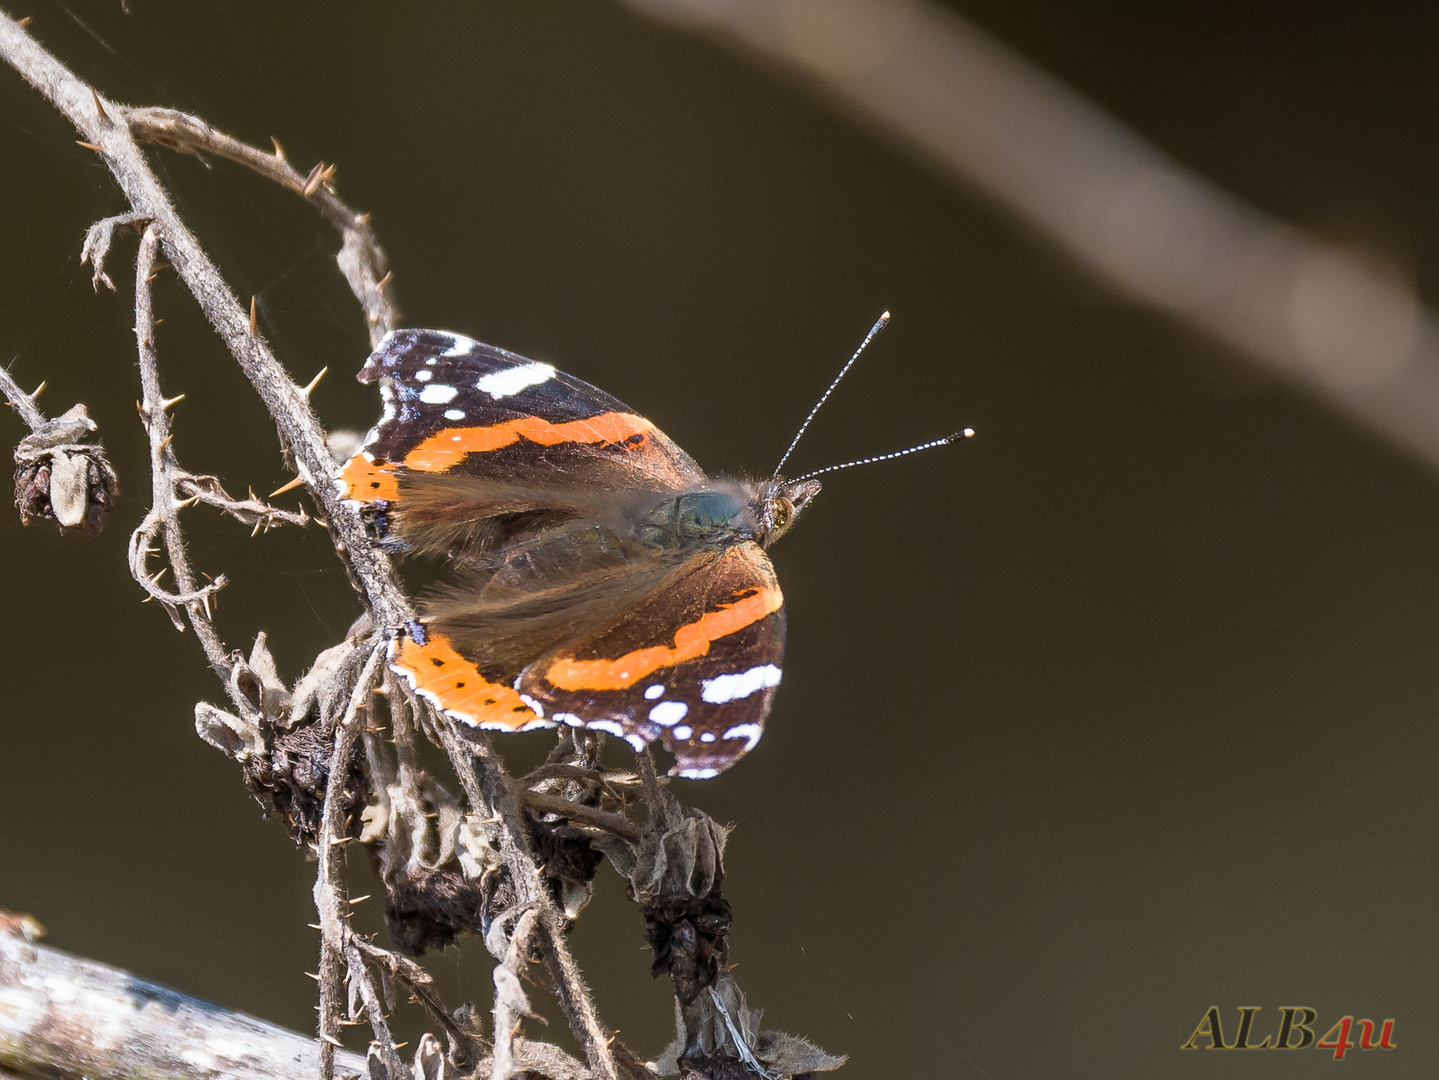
{"points": [[697, 774], [655, 691], [748, 732], [454, 414], [606, 725], [667, 713], [424, 376], [569, 718], [510, 381], [535, 706], [637, 741], [683, 732], [707, 736], [438, 394], [461, 346], [725, 688]]}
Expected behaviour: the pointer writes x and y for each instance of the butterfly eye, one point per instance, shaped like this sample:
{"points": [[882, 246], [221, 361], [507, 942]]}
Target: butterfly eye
{"points": [[783, 512]]}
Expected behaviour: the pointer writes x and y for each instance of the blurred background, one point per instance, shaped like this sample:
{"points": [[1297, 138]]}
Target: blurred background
{"points": [[1119, 711]]}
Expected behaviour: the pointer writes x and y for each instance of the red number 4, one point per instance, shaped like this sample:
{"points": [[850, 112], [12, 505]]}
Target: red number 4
{"points": [[1337, 1037]]}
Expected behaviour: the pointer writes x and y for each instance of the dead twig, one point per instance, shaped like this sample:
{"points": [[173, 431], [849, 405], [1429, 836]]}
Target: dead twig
{"points": [[329, 890], [361, 259]]}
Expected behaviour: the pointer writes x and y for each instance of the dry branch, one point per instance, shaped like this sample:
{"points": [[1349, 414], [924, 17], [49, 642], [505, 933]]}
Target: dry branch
{"points": [[71, 1018], [512, 860]]}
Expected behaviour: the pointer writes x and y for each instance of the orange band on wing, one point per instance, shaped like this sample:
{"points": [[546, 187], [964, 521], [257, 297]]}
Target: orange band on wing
{"points": [[367, 482], [447, 448], [691, 640], [455, 685]]}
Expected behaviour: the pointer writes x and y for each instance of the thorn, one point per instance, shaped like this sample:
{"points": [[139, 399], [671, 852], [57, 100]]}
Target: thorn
{"points": [[314, 382], [152, 277], [313, 975], [205, 600], [89, 146], [24, 22], [146, 598], [339, 841], [254, 320], [357, 899], [380, 285], [100, 107], [259, 524], [141, 410], [279, 150], [181, 504], [318, 175], [291, 486], [332, 1040], [165, 404], [314, 926], [164, 443], [362, 219], [36, 392], [157, 322]]}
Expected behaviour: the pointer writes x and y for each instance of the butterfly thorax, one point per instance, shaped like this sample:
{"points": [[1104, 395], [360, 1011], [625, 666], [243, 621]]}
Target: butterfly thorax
{"points": [[726, 512]]}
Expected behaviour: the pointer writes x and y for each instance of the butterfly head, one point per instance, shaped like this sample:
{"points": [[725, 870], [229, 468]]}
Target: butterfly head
{"points": [[778, 504]]}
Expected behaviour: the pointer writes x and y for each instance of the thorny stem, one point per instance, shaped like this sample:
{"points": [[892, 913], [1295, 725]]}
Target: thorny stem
{"points": [[374, 1010], [23, 403], [163, 516], [417, 980], [103, 124], [330, 900], [362, 260], [113, 130], [486, 784]]}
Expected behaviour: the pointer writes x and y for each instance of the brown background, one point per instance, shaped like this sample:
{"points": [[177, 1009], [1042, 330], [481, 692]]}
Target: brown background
{"points": [[1120, 711]]}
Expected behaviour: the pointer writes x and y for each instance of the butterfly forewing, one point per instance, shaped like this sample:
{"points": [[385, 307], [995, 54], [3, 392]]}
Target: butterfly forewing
{"points": [[457, 410]]}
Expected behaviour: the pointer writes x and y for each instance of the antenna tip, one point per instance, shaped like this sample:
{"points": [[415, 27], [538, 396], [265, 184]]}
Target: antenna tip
{"points": [[884, 318], [967, 433]]}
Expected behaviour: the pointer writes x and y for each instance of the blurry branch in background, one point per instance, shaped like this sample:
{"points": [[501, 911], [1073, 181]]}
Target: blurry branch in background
{"points": [[1348, 328], [511, 860]]}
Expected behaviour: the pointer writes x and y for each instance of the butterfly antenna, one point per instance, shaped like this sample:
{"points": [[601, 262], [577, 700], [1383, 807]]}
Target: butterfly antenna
{"points": [[967, 433], [879, 325]]}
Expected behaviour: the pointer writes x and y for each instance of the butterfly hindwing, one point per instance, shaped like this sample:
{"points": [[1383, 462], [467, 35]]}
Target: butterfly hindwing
{"points": [[693, 664]]}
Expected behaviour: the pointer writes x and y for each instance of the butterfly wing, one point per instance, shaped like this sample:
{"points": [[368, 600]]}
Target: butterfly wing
{"points": [[694, 663], [527, 475], [477, 445]]}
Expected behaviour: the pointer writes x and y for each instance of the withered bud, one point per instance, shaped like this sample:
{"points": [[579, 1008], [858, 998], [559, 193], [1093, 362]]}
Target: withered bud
{"points": [[63, 480]]}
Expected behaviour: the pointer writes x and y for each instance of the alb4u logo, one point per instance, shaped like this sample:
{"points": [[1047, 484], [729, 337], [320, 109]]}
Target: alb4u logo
{"points": [[1296, 1031]]}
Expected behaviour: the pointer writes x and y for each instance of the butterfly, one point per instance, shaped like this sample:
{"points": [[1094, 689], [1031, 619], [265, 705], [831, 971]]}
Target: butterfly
{"points": [[601, 579]]}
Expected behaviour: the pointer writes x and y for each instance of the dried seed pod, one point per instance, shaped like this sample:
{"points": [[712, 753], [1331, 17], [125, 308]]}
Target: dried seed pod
{"points": [[60, 479]]}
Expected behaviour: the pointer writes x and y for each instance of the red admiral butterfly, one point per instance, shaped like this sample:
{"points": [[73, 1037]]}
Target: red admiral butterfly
{"points": [[604, 581]]}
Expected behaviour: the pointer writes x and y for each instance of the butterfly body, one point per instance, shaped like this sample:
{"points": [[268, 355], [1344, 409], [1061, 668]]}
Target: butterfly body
{"points": [[602, 579]]}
